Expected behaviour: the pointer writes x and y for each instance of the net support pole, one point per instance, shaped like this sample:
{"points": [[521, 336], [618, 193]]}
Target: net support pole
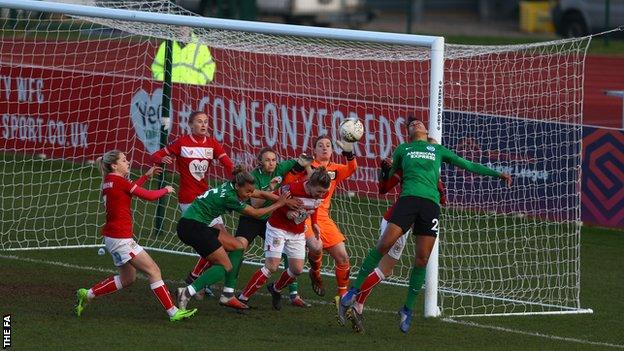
{"points": [[165, 122], [436, 102]]}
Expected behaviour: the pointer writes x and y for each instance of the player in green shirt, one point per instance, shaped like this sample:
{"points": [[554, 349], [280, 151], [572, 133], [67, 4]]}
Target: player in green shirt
{"points": [[418, 207], [268, 176], [193, 228]]}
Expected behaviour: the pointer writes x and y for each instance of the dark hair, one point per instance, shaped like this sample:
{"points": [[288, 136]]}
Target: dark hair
{"points": [[105, 161], [410, 119], [241, 177], [263, 151], [195, 114], [321, 177], [321, 137]]}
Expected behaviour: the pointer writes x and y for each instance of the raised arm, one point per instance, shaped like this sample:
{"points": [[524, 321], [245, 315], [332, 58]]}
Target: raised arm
{"points": [[154, 170], [451, 157]]}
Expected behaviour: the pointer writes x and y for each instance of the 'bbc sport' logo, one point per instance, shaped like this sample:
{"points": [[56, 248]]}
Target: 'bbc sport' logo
{"points": [[6, 333]]}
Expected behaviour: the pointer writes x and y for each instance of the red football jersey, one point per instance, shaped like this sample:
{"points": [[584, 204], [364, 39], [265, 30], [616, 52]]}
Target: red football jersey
{"points": [[117, 195], [279, 219], [193, 157], [337, 171]]}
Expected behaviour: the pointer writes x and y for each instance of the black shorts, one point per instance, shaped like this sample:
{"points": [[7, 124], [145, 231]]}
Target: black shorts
{"points": [[423, 214], [199, 236], [249, 228]]}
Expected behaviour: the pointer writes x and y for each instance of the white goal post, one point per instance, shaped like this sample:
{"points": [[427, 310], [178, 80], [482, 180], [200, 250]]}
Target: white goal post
{"points": [[516, 108]]}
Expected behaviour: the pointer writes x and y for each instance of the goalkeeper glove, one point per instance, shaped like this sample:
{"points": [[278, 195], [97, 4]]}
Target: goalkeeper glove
{"points": [[347, 149], [303, 161], [384, 170]]}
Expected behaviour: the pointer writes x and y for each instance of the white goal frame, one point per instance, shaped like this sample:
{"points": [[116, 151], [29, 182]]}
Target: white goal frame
{"points": [[434, 44]]}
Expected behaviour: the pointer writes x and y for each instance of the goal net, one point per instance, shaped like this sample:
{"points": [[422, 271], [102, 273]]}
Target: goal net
{"points": [[74, 87]]}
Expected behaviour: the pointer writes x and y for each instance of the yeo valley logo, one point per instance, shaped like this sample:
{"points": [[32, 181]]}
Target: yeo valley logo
{"points": [[146, 113]]}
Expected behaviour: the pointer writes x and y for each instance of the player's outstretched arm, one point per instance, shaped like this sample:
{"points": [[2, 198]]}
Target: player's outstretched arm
{"points": [[259, 212], [451, 157], [151, 195]]}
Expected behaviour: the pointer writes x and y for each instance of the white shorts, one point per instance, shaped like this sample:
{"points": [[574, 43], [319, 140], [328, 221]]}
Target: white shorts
{"points": [[122, 250], [218, 220], [278, 241], [397, 249]]}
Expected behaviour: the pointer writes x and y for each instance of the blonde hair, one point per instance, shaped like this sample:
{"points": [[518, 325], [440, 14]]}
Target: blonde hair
{"points": [[105, 161], [242, 177]]}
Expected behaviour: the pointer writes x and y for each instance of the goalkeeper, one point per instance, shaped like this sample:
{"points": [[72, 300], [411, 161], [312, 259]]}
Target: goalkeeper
{"points": [[417, 207], [331, 238]]}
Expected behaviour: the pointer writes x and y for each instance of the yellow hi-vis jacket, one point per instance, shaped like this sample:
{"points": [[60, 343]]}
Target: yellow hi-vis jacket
{"points": [[191, 64]]}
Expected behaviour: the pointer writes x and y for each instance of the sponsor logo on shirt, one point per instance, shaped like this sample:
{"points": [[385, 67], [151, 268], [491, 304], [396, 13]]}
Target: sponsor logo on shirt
{"points": [[422, 154], [205, 153], [198, 168], [310, 204], [107, 185]]}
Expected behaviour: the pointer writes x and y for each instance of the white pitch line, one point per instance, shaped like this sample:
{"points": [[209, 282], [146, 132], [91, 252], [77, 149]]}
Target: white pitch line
{"points": [[168, 281], [319, 302], [521, 332]]}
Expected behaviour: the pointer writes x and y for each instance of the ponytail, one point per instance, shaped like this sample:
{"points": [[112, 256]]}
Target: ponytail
{"points": [[105, 161], [240, 177]]}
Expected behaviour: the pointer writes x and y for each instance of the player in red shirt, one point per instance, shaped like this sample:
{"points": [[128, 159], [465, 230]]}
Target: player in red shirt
{"points": [[332, 239], [193, 154], [127, 255], [286, 233]]}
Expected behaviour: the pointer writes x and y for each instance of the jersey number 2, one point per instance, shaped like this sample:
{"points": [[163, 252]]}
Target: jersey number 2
{"points": [[435, 225]]}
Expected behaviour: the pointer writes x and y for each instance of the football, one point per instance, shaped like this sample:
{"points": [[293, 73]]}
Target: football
{"points": [[351, 130]]}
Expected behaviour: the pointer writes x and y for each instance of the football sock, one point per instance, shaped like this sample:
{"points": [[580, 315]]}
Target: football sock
{"points": [[209, 277], [342, 277], [294, 286], [369, 283], [417, 278], [370, 262], [162, 294], [106, 286], [201, 265], [286, 278], [236, 257], [257, 280]]}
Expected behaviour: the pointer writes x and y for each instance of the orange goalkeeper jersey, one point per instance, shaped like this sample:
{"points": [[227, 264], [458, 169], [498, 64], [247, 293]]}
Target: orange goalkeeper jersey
{"points": [[330, 233], [337, 172]]}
